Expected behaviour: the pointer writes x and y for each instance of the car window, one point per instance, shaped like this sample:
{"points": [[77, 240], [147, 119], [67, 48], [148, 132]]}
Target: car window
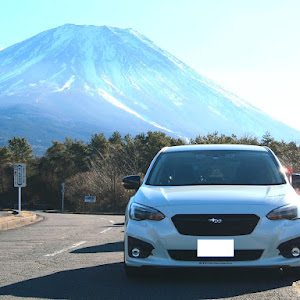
{"points": [[215, 167]]}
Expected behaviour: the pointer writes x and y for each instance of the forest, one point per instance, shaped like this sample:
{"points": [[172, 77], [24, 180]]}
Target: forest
{"points": [[96, 168]]}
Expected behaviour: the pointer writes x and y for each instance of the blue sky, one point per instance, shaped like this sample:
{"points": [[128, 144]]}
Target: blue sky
{"points": [[251, 47]]}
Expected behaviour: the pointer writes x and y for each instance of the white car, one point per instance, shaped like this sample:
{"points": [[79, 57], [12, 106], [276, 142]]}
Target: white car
{"points": [[212, 206]]}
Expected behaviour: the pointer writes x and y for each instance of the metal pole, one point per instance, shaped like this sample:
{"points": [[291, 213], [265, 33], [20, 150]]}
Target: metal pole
{"points": [[63, 201], [19, 201], [62, 196]]}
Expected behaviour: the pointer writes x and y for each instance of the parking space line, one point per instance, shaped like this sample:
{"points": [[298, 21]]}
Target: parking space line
{"points": [[111, 221], [105, 230], [66, 249]]}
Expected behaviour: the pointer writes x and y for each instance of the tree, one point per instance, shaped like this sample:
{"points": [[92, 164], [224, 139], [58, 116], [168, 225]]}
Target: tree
{"points": [[98, 144], [5, 168], [267, 139], [5, 155], [98, 167], [20, 150], [116, 139], [131, 156], [77, 153], [215, 138]]}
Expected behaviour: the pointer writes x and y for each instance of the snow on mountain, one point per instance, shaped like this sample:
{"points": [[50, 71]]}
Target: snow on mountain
{"points": [[78, 80]]}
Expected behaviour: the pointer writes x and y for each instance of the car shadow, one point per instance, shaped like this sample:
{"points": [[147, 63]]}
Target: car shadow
{"points": [[109, 247], [109, 282]]}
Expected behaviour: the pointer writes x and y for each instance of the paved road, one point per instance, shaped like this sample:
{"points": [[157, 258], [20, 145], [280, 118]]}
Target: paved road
{"points": [[80, 257]]}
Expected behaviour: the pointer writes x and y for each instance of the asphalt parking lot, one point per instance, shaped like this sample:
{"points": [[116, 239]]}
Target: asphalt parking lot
{"points": [[69, 256]]}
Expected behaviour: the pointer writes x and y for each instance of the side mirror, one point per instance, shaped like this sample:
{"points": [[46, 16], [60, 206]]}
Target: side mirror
{"points": [[132, 182], [296, 181]]}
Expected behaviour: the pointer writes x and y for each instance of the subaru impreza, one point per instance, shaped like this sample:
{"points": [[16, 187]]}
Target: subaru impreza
{"points": [[212, 206]]}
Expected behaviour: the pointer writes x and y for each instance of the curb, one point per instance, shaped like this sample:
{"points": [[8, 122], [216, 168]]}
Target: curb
{"points": [[19, 222], [84, 213]]}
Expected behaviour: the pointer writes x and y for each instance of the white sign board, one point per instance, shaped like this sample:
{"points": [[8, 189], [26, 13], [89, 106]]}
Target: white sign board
{"points": [[19, 175], [91, 199]]}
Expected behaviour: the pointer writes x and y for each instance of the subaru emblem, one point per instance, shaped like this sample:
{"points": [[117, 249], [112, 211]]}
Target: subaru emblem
{"points": [[215, 221]]}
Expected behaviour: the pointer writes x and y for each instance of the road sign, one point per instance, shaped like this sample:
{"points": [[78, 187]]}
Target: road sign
{"points": [[19, 181], [90, 199], [19, 175]]}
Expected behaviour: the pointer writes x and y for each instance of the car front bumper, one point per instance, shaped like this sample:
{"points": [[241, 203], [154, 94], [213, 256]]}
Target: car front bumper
{"points": [[163, 236]]}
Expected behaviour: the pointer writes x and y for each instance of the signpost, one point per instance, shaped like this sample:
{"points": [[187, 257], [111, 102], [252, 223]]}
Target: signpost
{"points": [[62, 197], [19, 181], [90, 199]]}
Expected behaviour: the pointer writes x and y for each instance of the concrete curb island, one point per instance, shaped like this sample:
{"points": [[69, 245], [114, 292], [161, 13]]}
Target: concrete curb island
{"points": [[84, 213], [15, 221]]}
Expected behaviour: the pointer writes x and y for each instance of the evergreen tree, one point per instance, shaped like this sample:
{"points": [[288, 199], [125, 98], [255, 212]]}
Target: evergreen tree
{"points": [[20, 150], [116, 139], [98, 145], [267, 139]]}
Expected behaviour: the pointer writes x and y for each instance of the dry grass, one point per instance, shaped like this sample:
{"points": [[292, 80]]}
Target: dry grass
{"points": [[24, 214]]}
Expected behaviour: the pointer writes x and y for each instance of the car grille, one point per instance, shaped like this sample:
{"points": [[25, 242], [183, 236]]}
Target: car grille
{"points": [[210, 225], [239, 255]]}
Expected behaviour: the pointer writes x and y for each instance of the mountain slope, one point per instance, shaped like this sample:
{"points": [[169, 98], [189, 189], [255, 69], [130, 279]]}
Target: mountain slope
{"points": [[77, 80]]}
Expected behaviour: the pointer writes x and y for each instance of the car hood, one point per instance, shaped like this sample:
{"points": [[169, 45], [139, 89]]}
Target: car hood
{"points": [[275, 195]]}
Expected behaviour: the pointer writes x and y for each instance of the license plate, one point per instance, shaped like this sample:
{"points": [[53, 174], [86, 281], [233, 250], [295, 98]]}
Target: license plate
{"points": [[215, 248]]}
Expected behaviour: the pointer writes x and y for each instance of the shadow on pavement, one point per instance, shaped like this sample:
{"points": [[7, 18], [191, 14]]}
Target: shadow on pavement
{"points": [[109, 282], [109, 247]]}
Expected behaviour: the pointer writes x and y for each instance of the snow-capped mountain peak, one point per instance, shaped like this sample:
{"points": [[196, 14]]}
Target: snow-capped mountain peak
{"points": [[118, 79]]}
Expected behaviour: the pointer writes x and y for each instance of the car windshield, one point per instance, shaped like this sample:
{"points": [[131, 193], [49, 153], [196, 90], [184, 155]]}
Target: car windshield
{"points": [[215, 167]]}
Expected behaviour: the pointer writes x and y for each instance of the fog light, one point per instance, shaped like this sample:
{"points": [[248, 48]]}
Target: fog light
{"points": [[290, 249], [136, 252], [138, 248], [295, 252]]}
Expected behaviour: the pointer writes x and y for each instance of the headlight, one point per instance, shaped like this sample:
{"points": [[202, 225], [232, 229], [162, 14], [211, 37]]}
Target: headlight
{"points": [[288, 212], [140, 212]]}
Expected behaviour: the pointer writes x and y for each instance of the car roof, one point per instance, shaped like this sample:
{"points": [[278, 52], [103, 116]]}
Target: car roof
{"points": [[215, 147]]}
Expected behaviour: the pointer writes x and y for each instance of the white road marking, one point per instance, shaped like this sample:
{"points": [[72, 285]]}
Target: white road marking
{"points": [[80, 243], [66, 249], [111, 221], [105, 230]]}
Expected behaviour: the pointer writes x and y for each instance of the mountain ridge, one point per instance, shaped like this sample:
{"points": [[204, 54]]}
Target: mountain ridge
{"points": [[104, 79]]}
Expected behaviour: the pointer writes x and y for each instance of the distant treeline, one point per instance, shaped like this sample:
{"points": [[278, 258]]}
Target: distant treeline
{"points": [[96, 168]]}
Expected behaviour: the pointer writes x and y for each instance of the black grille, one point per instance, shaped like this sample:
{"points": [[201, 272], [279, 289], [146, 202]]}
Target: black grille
{"points": [[210, 225], [239, 255]]}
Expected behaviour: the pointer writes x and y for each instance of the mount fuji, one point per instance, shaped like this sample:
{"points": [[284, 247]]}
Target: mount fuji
{"points": [[77, 80]]}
